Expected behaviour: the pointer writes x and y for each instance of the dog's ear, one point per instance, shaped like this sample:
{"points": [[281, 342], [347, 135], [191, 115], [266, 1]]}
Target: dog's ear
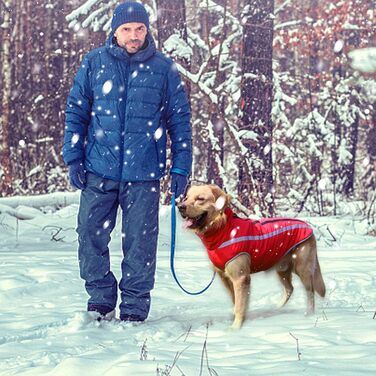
{"points": [[221, 198], [217, 192]]}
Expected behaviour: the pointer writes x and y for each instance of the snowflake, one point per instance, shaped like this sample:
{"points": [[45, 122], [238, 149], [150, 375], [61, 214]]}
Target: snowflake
{"points": [[99, 133], [220, 203], [158, 133], [233, 232], [75, 138], [107, 87]]}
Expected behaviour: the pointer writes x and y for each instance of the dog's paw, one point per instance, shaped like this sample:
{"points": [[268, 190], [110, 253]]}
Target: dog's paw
{"points": [[236, 325]]}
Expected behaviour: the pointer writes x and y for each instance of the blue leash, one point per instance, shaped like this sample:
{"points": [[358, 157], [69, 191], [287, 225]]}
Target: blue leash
{"points": [[172, 257]]}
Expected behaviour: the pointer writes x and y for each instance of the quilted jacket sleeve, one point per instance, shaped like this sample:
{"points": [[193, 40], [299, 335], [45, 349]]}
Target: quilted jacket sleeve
{"points": [[77, 114], [178, 123]]}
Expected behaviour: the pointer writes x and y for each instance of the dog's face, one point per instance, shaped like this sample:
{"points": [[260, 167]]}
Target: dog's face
{"points": [[203, 207]]}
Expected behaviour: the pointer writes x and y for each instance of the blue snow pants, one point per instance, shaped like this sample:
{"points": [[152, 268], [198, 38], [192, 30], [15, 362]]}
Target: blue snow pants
{"points": [[99, 204]]}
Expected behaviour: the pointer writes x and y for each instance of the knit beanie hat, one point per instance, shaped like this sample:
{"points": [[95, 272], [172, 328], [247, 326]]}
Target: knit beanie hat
{"points": [[130, 11]]}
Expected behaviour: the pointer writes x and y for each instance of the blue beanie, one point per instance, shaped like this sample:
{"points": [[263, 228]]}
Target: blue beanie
{"points": [[131, 11]]}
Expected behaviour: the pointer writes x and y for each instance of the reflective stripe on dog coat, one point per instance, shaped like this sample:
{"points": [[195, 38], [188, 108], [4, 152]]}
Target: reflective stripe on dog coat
{"points": [[266, 241]]}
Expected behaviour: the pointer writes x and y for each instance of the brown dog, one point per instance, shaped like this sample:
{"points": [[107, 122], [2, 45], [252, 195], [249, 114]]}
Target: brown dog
{"points": [[238, 247]]}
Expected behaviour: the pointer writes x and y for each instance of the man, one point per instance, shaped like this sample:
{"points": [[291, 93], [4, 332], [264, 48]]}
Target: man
{"points": [[126, 96]]}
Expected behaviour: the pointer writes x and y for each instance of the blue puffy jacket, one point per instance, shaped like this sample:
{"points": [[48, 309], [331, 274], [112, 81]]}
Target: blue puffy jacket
{"points": [[119, 110]]}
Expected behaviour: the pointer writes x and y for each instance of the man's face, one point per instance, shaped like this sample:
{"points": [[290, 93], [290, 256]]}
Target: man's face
{"points": [[131, 36]]}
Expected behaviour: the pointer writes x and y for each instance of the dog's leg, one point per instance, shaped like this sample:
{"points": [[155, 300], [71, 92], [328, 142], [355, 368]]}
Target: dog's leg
{"points": [[307, 280], [305, 265], [284, 270], [238, 270], [285, 278], [227, 283]]}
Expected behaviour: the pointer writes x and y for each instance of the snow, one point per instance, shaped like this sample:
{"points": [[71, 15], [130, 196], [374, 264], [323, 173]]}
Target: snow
{"points": [[364, 59], [175, 46], [44, 329]]}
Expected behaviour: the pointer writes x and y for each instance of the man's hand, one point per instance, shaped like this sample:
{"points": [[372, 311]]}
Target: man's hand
{"points": [[178, 184], [77, 177]]}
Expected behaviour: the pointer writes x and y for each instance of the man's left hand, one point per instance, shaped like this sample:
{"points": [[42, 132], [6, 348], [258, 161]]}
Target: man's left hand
{"points": [[178, 184]]}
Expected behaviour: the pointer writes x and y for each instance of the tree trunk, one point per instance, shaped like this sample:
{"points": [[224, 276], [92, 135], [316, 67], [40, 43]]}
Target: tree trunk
{"points": [[257, 95], [172, 20], [217, 117], [5, 164]]}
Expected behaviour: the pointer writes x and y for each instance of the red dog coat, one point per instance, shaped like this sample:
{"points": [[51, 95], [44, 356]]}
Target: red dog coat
{"points": [[266, 241]]}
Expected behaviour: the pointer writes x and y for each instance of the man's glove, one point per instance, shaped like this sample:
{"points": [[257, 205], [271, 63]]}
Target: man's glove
{"points": [[77, 176], [178, 184]]}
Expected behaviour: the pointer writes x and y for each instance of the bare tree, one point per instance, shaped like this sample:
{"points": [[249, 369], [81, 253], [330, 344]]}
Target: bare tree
{"points": [[172, 26], [5, 164], [257, 95]]}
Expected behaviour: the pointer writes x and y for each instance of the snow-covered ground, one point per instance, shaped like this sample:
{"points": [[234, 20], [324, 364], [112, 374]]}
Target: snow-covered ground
{"points": [[44, 329]]}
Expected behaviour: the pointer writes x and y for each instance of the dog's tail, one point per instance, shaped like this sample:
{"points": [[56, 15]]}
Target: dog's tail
{"points": [[318, 282]]}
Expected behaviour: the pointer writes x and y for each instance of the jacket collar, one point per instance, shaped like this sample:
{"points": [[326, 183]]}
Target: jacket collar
{"points": [[114, 49], [213, 240]]}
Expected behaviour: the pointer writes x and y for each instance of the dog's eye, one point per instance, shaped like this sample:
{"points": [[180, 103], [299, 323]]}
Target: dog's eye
{"points": [[200, 199]]}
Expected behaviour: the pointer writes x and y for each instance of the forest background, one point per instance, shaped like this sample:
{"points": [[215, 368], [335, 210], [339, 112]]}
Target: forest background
{"points": [[283, 117]]}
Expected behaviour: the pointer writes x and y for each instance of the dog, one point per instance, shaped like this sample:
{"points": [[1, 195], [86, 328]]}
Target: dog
{"points": [[239, 247]]}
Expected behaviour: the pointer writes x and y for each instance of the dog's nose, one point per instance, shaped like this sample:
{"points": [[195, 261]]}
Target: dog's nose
{"points": [[182, 207]]}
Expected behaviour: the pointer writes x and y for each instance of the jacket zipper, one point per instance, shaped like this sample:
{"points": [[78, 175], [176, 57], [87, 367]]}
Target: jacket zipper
{"points": [[126, 83]]}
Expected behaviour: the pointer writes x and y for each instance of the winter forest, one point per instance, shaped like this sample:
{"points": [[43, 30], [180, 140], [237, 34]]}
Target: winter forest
{"points": [[283, 103], [281, 91]]}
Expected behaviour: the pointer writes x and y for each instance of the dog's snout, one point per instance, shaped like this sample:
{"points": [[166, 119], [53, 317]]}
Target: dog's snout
{"points": [[182, 207]]}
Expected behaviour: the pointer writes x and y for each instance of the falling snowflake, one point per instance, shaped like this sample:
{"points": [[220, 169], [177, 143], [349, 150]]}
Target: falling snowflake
{"points": [[220, 203], [338, 46], [233, 232], [106, 224], [77, 27], [75, 138], [158, 133], [366, 161], [99, 133], [267, 149], [322, 184], [107, 87]]}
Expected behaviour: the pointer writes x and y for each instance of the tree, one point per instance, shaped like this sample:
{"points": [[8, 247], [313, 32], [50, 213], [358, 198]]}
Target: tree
{"points": [[5, 163], [257, 96]]}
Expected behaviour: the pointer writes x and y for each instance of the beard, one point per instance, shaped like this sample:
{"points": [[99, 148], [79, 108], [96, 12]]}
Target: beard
{"points": [[133, 46]]}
